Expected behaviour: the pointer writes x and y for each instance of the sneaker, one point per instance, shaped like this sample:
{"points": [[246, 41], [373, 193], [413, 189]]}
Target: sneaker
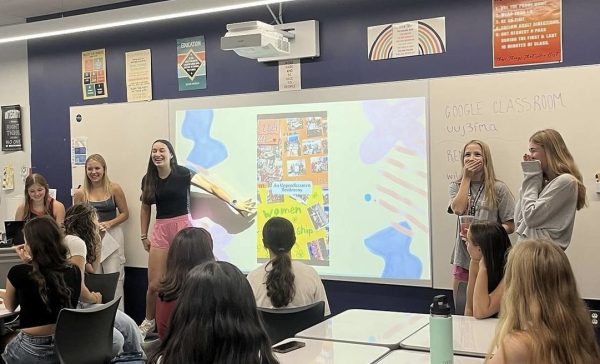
{"points": [[147, 327]]}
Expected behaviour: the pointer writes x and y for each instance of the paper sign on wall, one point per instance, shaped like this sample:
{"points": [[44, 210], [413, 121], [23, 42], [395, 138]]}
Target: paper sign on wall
{"points": [[290, 75], [191, 63], [138, 75], [412, 38], [93, 74], [527, 32]]}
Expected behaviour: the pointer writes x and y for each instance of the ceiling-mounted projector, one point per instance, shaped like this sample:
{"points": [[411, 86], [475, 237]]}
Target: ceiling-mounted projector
{"points": [[255, 39]]}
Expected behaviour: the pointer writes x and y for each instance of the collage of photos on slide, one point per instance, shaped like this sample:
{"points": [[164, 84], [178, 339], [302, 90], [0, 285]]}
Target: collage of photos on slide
{"points": [[293, 179]]}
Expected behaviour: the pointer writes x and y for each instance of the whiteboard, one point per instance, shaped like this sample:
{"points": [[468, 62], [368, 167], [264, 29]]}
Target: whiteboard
{"points": [[122, 134], [504, 110]]}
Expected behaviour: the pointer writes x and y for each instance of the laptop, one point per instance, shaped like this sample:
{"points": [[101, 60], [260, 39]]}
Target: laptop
{"points": [[14, 232]]}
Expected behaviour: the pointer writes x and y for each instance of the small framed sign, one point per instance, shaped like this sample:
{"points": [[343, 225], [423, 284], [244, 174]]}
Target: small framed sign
{"points": [[12, 133]]}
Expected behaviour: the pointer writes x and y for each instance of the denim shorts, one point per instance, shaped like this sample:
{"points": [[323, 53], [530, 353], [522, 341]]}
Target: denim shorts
{"points": [[25, 348]]}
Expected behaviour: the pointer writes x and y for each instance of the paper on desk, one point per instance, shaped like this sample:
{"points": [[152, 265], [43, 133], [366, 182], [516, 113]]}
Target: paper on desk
{"points": [[109, 245]]}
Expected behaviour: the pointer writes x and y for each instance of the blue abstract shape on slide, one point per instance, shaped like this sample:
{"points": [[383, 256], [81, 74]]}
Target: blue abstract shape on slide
{"points": [[394, 248], [206, 152]]}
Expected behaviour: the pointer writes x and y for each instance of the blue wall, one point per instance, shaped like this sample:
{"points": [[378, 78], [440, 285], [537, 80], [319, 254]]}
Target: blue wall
{"points": [[55, 79]]}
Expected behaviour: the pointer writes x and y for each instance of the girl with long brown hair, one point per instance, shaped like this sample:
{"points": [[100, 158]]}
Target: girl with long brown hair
{"points": [[38, 201]]}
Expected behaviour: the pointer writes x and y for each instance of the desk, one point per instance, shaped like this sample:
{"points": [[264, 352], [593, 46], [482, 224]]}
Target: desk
{"points": [[331, 352], [471, 336], [420, 357], [380, 328]]}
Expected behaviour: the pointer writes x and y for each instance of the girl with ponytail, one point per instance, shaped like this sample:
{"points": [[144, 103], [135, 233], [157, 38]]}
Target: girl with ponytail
{"points": [[282, 282]]}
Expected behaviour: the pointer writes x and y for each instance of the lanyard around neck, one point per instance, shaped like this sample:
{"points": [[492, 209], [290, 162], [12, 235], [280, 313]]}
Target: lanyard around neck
{"points": [[473, 202]]}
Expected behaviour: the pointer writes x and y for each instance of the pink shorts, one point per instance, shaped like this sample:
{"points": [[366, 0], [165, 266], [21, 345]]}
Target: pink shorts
{"points": [[165, 230], [460, 274]]}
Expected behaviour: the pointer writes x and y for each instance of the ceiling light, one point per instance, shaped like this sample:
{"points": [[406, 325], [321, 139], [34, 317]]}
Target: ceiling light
{"points": [[122, 17]]}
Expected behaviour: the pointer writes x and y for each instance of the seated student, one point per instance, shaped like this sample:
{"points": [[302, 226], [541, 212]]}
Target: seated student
{"points": [[542, 319], [83, 235], [215, 321], [42, 286], [488, 245], [38, 201], [191, 247], [282, 282]]}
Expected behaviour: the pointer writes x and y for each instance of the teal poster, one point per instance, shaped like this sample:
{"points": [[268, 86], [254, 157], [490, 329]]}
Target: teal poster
{"points": [[191, 63]]}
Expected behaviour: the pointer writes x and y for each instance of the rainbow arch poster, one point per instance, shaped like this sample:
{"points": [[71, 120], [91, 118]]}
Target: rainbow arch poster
{"points": [[412, 38]]}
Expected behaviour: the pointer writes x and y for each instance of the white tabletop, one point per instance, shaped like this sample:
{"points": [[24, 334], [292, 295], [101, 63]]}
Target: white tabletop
{"points": [[331, 352], [381, 328], [420, 357], [471, 336]]}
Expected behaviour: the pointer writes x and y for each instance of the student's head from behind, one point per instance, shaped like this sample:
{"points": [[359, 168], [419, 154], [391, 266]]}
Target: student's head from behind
{"points": [[95, 171], [550, 149], [489, 241], [190, 247], [81, 220], [43, 241], [36, 188], [541, 299], [279, 235], [216, 320]]}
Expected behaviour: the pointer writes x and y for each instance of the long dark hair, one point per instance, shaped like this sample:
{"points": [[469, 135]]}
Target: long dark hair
{"points": [[48, 259], [150, 180], [494, 243], [215, 321], [191, 247], [32, 179], [279, 237], [81, 220]]}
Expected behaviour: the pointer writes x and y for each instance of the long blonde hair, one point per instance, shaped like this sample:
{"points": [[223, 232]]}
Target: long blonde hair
{"points": [[542, 301], [105, 182], [560, 160], [489, 176]]}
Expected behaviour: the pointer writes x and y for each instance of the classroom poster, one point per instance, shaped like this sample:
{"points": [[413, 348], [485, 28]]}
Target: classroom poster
{"points": [[293, 179], [527, 32], [12, 134], [412, 38], [78, 151], [93, 74], [191, 63], [138, 75]]}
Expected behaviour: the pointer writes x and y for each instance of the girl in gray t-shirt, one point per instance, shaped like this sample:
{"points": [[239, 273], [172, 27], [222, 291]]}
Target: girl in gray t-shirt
{"points": [[477, 193]]}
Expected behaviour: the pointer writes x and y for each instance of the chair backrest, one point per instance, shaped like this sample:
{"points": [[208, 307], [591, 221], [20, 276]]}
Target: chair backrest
{"points": [[461, 299], [84, 336], [282, 323], [106, 284]]}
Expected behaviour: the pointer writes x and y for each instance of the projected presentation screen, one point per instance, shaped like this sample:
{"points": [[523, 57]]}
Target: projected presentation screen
{"points": [[351, 176]]}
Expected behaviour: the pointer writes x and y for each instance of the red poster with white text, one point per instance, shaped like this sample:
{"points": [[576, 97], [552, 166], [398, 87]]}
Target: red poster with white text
{"points": [[527, 32]]}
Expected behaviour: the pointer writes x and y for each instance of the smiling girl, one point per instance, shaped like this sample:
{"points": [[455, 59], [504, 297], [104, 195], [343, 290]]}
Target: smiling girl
{"points": [[38, 201], [477, 193], [552, 190], [110, 204], [167, 185]]}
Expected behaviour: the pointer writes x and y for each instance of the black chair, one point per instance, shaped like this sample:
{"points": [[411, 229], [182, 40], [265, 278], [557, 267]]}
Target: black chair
{"points": [[106, 284], [282, 323], [461, 299], [84, 336]]}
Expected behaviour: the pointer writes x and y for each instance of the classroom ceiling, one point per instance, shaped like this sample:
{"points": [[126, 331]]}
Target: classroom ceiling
{"points": [[16, 11]]}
